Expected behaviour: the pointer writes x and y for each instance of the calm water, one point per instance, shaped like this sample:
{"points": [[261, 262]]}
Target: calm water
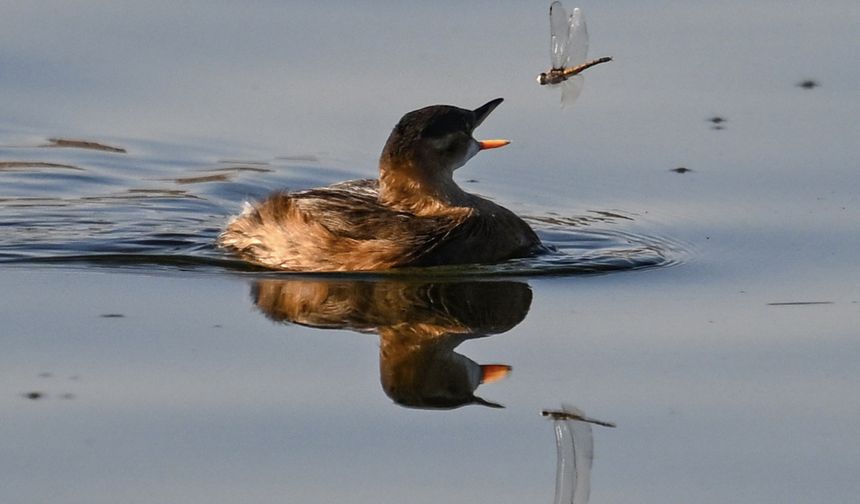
{"points": [[713, 314]]}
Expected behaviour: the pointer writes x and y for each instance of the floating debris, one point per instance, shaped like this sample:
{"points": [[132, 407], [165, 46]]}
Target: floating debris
{"points": [[164, 193], [17, 165], [112, 315], [681, 169], [304, 158], [81, 144], [243, 162], [203, 178], [801, 303], [257, 169], [34, 396]]}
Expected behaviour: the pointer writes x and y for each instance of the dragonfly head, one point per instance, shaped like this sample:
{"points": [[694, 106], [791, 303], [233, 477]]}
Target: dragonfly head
{"points": [[542, 79]]}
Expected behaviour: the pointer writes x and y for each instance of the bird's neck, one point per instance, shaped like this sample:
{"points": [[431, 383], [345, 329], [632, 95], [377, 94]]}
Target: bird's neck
{"points": [[408, 188]]}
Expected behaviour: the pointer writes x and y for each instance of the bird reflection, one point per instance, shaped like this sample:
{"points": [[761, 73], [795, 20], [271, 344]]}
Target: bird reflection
{"points": [[419, 324]]}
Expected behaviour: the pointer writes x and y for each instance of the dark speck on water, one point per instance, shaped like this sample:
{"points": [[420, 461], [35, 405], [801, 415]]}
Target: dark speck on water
{"points": [[112, 315], [34, 395], [717, 122], [681, 169], [808, 84]]}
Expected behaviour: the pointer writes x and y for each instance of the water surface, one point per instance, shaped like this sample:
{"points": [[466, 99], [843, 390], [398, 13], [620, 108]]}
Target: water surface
{"points": [[711, 314]]}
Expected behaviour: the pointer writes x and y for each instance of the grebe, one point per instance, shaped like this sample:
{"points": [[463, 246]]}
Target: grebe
{"points": [[413, 215]]}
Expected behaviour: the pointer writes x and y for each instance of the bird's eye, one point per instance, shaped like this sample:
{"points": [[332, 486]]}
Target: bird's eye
{"points": [[443, 144]]}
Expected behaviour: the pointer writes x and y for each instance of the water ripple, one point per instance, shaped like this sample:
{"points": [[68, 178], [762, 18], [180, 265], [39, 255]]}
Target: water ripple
{"points": [[85, 205]]}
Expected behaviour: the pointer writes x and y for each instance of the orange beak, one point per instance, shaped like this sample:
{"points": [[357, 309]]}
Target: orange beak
{"points": [[492, 144]]}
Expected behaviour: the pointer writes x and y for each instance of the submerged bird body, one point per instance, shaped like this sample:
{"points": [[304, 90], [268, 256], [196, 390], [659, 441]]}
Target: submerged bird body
{"points": [[414, 215]]}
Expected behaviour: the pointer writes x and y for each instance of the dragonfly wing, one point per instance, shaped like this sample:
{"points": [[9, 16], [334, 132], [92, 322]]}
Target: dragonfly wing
{"points": [[559, 34], [570, 90], [577, 50]]}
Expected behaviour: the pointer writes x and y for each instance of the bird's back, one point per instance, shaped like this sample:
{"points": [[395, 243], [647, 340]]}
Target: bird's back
{"points": [[337, 228]]}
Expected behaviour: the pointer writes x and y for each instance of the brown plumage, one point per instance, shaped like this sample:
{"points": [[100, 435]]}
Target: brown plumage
{"points": [[414, 215]]}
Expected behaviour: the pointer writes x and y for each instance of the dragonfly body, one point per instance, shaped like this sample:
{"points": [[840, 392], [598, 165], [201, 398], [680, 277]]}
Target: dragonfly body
{"points": [[559, 75]]}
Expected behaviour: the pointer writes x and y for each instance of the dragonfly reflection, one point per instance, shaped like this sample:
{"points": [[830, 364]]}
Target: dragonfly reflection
{"points": [[568, 50], [575, 448]]}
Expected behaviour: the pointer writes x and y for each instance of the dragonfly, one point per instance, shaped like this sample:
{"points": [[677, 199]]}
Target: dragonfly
{"points": [[568, 50]]}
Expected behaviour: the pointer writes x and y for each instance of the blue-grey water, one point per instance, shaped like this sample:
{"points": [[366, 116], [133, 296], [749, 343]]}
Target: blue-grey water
{"points": [[713, 314]]}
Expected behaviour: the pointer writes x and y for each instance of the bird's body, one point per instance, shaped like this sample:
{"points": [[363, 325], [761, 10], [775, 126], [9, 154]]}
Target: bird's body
{"points": [[414, 215]]}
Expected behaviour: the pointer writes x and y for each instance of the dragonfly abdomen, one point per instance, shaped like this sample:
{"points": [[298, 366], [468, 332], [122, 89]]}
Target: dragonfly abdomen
{"points": [[559, 75], [569, 72]]}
